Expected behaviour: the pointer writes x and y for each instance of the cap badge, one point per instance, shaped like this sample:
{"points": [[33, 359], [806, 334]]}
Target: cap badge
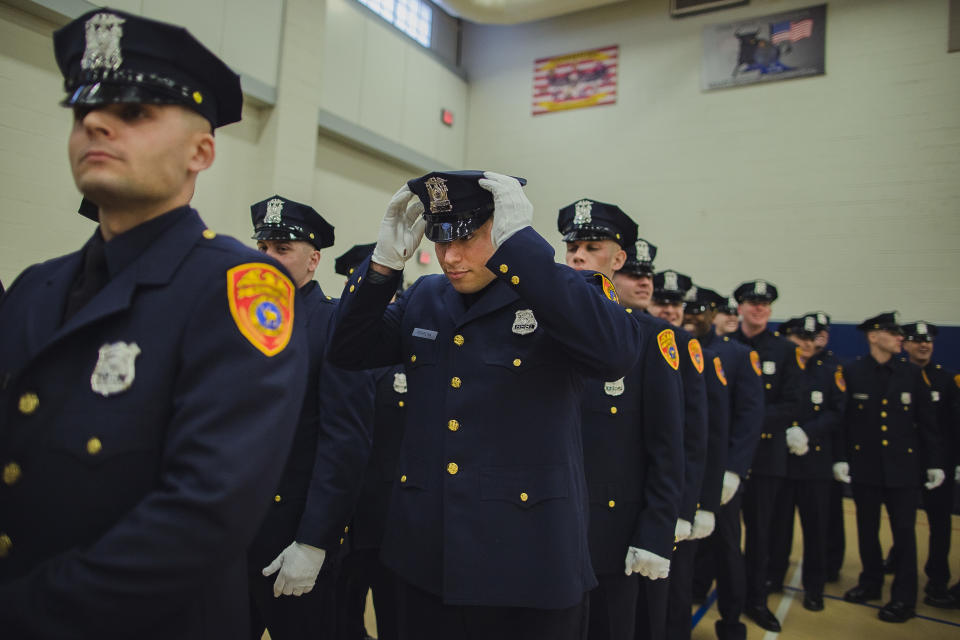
{"points": [[114, 371], [643, 251], [760, 288], [614, 388], [582, 215], [525, 322], [921, 328], [670, 281], [732, 302], [809, 324], [437, 190], [691, 295], [103, 33], [400, 382], [822, 318], [274, 211]]}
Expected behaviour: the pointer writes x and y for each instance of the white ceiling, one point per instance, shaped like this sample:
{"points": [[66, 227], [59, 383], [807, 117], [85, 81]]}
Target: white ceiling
{"points": [[515, 11]]}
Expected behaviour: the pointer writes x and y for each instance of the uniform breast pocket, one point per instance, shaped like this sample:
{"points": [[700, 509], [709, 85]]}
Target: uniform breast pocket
{"points": [[421, 352], [107, 439], [519, 355], [524, 487]]}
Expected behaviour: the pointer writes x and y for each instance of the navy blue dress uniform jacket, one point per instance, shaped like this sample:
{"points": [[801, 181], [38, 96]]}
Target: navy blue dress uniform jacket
{"points": [[694, 422], [745, 387], [718, 430], [490, 506], [633, 455], [781, 385], [130, 514], [945, 395], [822, 402], [889, 429]]}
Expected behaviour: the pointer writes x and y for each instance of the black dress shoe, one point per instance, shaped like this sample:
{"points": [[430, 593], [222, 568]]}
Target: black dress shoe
{"points": [[940, 597], [813, 601], [896, 611], [763, 617], [861, 593]]}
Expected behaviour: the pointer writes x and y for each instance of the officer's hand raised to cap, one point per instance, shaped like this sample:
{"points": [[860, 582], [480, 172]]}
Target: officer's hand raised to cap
{"points": [[935, 478], [841, 472], [511, 209], [299, 565], [401, 230], [646, 563]]}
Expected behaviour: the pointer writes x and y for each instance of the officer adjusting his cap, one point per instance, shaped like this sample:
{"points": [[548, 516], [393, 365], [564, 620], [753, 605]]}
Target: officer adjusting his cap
{"points": [[806, 488], [890, 437], [487, 529], [720, 554], [782, 381], [150, 380], [298, 544], [666, 303], [631, 437]]}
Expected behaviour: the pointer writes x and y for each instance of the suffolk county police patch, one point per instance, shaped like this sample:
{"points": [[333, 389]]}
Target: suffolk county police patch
{"points": [[838, 378], [261, 303], [755, 362], [114, 371], [718, 367], [667, 342], [696, 354], [607, 287]]}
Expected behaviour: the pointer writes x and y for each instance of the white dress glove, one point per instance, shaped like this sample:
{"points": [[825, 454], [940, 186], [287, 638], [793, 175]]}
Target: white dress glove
{"points": [[682, 531], [511, 209], [731, 482], [704, 523], [797, 441], [935, 478], [299, 565], [841, 472], [401, 230], [956, 474], [646, 564]]}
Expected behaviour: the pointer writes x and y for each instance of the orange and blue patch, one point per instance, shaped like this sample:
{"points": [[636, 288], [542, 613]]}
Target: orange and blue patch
{"points": [[696, 354], [718, 367], [608, 289], [838, 378], [667, 342], [261, 303], [755, 361]]}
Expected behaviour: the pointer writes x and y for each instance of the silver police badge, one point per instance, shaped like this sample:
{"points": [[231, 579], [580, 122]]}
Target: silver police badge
{"points": [[274, 211], [760, 288], [114, 371], [691, 295], [816, 397], [400, 382], [670, 281], [643, 251], [614, 388], [905, 397], [437, 191], [935, 396], [922, 328], [525, 322], [582, 211], [769, 367], [810, 324], [102, 51]]}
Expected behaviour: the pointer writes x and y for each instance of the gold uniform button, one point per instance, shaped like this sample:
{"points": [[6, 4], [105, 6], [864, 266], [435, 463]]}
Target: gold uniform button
{"points": [[346, 529], [906, 408], [859, 406], [28, 403], [504, 268], [403, 478], [400, 403], [413, 358], [883, 414], [524, 497], [515, 280], [11, 473], [884, 401], [884, 443], [453, 425], [768, 385], [816, 448], [455, 382], [883, 427], [458, 340], [816, 407], [613, 410], [910, 450], [353, 288], [341, 540], [209, 234], [856, 447], [94, 446], [277, 498], [452, 468], [5, 545], [612, 504], [517, 362], [629, 310]]}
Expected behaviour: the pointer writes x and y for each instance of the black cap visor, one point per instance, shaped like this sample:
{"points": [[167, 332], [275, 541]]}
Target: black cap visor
{"points": [[140, 89], [282, 232], [637, 268], [695, 308], [448, 227], [667, 297], [589, 232]]}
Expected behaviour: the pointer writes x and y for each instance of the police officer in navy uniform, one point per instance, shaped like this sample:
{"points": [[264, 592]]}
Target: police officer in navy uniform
{"points": [[299, 541], [727, 318], [151, 380], [781, 382], [918, 341], [362, 569], [631, 437], [810, 464], [634, 281], [487, 527], [891, 437], [679, 619]]}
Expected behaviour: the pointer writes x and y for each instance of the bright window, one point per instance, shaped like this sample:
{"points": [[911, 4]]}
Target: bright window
{"points": [[413, 17]]}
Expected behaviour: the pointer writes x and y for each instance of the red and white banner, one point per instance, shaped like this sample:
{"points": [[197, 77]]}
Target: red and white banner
{"points": [[575, 80]]}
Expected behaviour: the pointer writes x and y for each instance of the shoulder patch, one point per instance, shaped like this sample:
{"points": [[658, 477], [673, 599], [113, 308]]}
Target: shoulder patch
{"points": [[800, 360], [261, 303], [667, 342], [696, 354], [838, 378], [956, 379], [755, 361], [718, 367], [607, 287], [925, 377]]}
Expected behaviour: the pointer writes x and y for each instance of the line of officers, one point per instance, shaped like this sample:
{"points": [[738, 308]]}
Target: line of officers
{"points": [[514, 448]]}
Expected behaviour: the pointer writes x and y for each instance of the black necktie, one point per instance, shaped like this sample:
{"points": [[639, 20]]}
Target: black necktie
{"points": [[89, 281]]}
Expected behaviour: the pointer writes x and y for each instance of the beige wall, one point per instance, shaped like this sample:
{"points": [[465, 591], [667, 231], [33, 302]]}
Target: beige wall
{"points": [[842, 189]]}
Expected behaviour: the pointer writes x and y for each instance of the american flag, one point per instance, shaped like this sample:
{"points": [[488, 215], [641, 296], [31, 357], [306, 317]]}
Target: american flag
{"points": [[791, 31], [575, 80]]}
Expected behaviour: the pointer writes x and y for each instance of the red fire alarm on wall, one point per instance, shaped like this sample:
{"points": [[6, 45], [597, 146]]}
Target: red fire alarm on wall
{"points": [[446, 117], [423, 257]]}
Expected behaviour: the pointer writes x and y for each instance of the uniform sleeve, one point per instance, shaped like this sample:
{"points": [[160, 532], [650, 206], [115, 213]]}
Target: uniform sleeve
{"points": [[662, 450], [927, 431], [784, 410], [234, 414], [746, 415], [694, 433], [594, 331], [828, 419], [718, 424]]}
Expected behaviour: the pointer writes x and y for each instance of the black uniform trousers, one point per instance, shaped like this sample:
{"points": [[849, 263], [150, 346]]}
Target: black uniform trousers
{"points": [[679, 617], [424, 616], [363, 571], [613, 607], [836, 536], [312, 615], [811, 497], [759, 499], [938, 504], [901, 505], [652, 608]]}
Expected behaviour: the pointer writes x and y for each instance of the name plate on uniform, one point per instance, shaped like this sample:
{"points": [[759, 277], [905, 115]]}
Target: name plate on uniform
{"points": [[861, 396], [424, 333]]}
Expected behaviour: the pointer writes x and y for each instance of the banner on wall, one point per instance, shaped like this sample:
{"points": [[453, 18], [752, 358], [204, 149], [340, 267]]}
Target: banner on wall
{"points": [[765, 49], [575, 80]]}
